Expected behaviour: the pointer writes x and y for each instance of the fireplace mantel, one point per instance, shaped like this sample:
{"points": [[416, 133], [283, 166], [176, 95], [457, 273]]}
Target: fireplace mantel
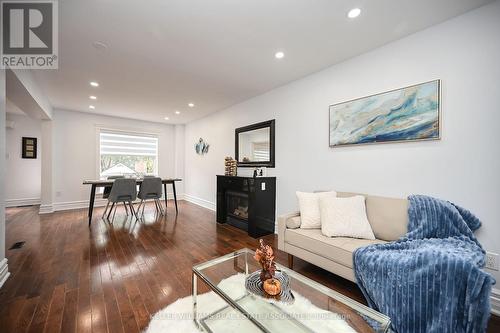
{"points": [[261, 193]]}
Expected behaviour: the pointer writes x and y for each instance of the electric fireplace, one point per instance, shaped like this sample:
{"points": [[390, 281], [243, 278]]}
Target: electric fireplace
{"points": [[247, 203], [237, 209]]}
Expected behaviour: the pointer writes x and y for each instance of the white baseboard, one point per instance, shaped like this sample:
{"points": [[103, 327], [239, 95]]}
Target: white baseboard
{"points": [[180, 196], [46, 209], [495, 301], [58, 206], [4, 271], [200, 202], [80, 204], [22, 202]]}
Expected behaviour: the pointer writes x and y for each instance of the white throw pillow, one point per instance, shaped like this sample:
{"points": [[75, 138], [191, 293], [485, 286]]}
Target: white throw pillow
{"points": [[310, 217], [345, 217]]}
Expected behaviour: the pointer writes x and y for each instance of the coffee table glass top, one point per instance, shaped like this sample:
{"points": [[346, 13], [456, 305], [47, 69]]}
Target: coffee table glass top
{"points": [[315, 308]]}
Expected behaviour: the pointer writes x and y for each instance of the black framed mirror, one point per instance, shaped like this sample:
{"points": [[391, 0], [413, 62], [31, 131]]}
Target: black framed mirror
{"points": [[254, 145]]}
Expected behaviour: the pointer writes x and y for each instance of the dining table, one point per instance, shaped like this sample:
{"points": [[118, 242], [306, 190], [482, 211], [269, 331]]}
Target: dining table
{"points": [[94, 184]]}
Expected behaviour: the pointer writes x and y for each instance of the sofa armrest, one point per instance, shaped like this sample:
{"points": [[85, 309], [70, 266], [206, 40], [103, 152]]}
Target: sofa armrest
{"points": [[282, 228]]}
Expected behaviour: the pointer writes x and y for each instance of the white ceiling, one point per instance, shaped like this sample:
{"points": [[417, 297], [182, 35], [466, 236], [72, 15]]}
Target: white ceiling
{"points": [[163, 54]]}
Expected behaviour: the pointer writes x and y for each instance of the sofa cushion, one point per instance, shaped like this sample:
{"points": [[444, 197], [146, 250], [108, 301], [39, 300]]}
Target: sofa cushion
{"points": [[338, 249], [293, 222], [345, 217], [310, 217], [388, 217]]}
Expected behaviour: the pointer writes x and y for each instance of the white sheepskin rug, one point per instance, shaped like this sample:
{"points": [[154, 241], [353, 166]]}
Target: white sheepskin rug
{"points": [[178, 316]]}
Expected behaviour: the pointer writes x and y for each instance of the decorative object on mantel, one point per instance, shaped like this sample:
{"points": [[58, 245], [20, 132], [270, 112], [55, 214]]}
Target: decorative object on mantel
{"points": [[268, 282], [230, 166], [201, 147], [29, 147], [260, 172], [406, 114]]}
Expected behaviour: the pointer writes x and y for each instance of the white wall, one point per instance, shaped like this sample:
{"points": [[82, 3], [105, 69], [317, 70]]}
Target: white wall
{"points": [[75, 151], [463, 167], [23, 176]]}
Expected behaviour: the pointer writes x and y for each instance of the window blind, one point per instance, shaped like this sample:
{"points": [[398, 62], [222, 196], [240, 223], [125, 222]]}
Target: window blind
{"points": [[117, 143], [261, 151]]}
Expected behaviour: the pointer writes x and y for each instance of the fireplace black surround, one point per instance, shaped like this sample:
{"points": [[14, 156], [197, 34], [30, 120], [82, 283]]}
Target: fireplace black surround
{"points": [[247, 203]]}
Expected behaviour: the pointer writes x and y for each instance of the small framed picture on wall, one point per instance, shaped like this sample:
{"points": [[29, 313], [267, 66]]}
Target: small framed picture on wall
{"points": [[29, 147]]}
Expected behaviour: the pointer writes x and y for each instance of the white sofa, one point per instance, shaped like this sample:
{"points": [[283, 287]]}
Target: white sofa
{"points": [[388, 218]]}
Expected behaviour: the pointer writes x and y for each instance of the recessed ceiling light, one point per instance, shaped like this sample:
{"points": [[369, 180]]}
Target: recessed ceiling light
{"points": [[191, 105], [167, 118], [92, 97], [94, 84], [91, 107], [177, 112], [353, 13], [279, 55]]}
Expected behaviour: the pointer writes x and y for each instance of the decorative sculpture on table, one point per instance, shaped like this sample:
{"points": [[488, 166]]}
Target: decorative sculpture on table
{"points": [[201, 147], [269, 282], [265, 256]]}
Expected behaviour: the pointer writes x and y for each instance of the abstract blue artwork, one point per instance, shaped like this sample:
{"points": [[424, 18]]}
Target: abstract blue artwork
{"points": [[406, 114]]}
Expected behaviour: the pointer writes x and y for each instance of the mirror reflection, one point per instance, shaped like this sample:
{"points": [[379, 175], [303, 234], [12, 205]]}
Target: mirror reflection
{"points": [[254, 146]]}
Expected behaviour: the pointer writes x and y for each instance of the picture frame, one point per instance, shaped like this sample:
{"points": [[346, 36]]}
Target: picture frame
{"points": [[29, 148], [411, 113]]}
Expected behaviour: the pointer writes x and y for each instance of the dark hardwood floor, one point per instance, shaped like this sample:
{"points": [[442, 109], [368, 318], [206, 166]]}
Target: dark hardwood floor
{"points": [[112, 277]]}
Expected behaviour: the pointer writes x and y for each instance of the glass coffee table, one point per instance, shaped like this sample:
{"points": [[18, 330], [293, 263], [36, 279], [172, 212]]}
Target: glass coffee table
{"points": [[221, 302]]}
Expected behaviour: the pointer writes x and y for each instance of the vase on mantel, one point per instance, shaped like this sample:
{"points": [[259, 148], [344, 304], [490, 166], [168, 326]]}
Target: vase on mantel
{"points": [[230, 166]]}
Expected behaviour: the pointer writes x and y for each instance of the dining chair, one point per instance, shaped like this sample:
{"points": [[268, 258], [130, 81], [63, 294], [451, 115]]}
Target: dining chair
{"points": [[123, 190], [150, 189], [107, 191]]}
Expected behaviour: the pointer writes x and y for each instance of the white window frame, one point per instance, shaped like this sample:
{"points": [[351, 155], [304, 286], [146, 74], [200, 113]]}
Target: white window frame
{"points": [[99, 129]]}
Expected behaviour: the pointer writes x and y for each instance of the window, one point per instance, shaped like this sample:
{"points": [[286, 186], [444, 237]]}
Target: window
{"points": [[260, 151], [127, 154]]}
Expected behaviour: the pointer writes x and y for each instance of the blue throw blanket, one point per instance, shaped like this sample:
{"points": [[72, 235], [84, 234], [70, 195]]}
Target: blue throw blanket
{"points": [[429, 280]]}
